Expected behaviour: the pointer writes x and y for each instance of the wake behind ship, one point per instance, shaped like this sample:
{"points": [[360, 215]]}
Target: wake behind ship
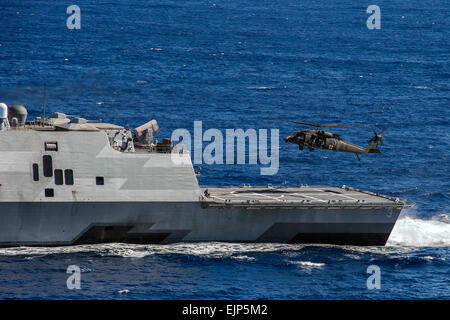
{"points": [[67, 181]]}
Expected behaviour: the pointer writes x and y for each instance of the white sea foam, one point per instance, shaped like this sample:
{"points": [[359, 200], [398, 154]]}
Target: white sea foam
{"points": [[244, 258], [123, 291], [260, 88], [409, 232], [205, 249], [416, 232], [309, 264]]}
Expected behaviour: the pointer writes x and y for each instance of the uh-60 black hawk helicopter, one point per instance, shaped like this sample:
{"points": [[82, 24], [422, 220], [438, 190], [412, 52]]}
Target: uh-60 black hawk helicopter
{"points": [[316, 138]]}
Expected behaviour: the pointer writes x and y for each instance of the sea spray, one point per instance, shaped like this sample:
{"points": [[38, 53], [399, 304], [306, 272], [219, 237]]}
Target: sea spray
{"points": [[417, 232]]}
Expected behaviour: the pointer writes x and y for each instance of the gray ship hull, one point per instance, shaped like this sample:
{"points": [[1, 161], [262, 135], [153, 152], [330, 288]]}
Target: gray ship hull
{"points": [[72, 223]]}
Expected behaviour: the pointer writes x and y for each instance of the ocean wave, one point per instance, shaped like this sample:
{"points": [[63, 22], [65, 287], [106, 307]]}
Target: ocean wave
{"points": [[202, 249], [125, 291], [422, 87], [308, 264], [261, 88], [244, 258]]}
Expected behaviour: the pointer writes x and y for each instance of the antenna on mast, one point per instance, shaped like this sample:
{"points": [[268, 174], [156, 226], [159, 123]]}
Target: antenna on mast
{"points": [[45, 96]]}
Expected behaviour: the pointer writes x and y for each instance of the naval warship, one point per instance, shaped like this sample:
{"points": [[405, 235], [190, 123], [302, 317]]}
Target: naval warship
{"points": [[68, 181]]}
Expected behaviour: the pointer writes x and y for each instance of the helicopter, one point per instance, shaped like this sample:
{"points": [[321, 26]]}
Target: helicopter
{"points": [[321, 139]]}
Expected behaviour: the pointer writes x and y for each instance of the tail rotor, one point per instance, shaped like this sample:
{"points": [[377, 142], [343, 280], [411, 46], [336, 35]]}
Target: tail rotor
{"points": [[378, 138], [375, 141]]}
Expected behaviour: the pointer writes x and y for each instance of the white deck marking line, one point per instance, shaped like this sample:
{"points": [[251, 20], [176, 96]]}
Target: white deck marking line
{"points": [[348, 197], [315, 189], [263, 195], [336, 194], [241, 195], [216, 197], [302, 195]]}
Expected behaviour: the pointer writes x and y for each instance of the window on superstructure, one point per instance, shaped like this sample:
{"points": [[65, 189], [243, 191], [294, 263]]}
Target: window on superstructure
{"points": [[48, 165], [49, 193], [100, 181], [59, 180], [68, 175], [35, 172]]}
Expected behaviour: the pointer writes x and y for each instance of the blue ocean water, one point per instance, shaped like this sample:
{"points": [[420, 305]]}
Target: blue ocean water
{"points": [[242, 64]]}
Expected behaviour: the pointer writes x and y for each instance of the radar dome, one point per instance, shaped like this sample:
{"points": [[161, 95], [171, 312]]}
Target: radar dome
{"points": [[3, 111], [19, 112]]}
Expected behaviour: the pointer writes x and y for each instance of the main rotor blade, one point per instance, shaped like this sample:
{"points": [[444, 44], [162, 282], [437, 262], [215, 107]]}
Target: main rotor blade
{"points": [[377, 133], [329, 125], [350, 126], [318, 125], [373, 129]]}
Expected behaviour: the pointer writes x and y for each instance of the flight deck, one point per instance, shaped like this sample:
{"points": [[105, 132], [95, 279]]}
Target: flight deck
{"points": [[302, 196]]}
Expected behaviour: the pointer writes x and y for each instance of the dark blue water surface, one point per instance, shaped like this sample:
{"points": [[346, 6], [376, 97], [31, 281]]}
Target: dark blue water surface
{"points": [[240, 64]]}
